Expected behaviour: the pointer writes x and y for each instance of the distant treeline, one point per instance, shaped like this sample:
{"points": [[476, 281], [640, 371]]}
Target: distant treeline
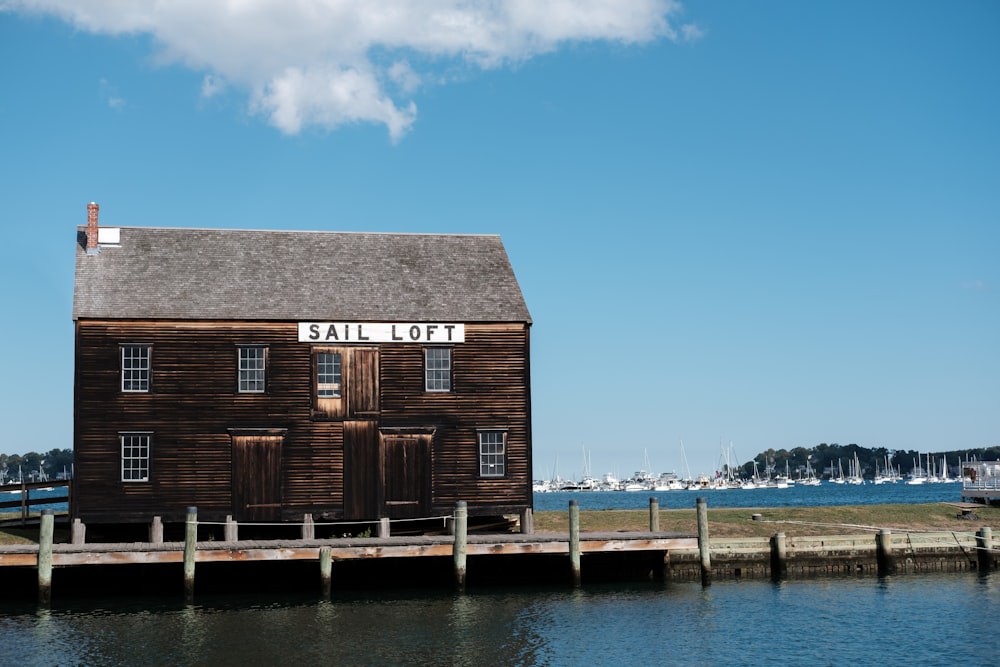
{"points": [[823, 456], [33, 466]]}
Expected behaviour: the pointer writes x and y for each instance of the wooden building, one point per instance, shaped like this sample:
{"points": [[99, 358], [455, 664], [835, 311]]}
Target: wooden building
{"points": [[266, 375]]}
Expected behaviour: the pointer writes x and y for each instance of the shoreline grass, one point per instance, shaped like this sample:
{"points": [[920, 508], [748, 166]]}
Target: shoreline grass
{"points": [[727, 522], [825, 520]]}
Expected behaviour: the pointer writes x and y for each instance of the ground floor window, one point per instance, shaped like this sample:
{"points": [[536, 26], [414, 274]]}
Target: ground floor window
{"points": [[492, 453], [135, 456]]}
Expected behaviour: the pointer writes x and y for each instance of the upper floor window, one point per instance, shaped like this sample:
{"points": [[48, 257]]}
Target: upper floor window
{"points": [[437, 369], [253, 363], [135, 456], [492, 453], [329, 376], [135, 368]]}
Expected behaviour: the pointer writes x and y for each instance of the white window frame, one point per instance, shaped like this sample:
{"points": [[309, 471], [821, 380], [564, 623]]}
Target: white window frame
{"points": [[437, 370], [334, 375], [136, 448], [492, 444], [135, 368], [252, 372]]}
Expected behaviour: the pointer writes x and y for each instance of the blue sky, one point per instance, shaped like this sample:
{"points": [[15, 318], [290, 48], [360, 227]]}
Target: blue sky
{"points": [[774, 224]]}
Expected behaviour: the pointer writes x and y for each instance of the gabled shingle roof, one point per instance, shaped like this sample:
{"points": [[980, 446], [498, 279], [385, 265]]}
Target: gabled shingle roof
{"points": [[297, 276]]}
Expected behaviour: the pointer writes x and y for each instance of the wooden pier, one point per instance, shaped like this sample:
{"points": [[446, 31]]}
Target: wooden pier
{"points": [[671, 557]]}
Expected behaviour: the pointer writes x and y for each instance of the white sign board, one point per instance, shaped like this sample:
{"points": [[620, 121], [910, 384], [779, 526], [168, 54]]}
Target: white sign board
{"points": [[380, 332]]}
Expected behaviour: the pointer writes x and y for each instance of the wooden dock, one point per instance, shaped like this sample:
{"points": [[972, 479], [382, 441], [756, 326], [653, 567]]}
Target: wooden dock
{"points": [[671, 557]]}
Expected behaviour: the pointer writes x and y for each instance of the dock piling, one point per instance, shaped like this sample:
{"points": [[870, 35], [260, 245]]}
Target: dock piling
{"points": [[574, 541], [78, 532], [461, 538], [190, 546], [654, 515], [232, 529], [156, 530], [703, 544], [45, 557], [527, 522], [779, 564], [984, 544], [384, 527], [308, 527], [326, 570], [885, 562]]}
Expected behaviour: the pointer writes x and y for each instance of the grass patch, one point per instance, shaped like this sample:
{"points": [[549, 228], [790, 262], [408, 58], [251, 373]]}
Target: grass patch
{"points": [[723, 522], [737, 522]]}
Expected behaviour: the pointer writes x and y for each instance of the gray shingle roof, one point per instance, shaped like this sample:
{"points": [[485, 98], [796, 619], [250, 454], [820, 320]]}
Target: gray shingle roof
{"points": [[297, 276]]}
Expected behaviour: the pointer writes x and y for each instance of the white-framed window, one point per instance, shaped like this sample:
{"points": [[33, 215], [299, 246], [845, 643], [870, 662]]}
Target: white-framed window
{"points": [[329, 374], [253, 364], [437, 369], [135, 456], [135, 368], [492, 453]]}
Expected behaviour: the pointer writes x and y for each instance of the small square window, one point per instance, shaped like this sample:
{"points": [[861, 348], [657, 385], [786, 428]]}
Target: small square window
{"points": [[492, 453], [437, 369], [135, 368]]}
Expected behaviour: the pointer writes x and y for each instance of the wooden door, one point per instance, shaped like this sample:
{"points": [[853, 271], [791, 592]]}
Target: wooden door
{"points": [[406, 475], [361, 465], [257, 477]]}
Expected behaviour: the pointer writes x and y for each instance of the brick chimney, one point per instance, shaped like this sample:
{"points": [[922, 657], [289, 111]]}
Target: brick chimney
{"points": [[92, 247]]}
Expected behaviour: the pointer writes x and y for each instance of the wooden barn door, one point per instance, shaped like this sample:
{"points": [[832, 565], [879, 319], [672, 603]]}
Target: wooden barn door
{"points": [[257, 477], [406, 475], [362, 484], [361, 481]]}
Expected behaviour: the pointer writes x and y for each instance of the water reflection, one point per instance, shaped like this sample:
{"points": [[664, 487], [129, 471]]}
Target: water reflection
{"points": [[839, 621]]}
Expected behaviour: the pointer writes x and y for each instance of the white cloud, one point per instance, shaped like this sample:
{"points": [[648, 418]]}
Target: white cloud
{"points": [[320, 62]]}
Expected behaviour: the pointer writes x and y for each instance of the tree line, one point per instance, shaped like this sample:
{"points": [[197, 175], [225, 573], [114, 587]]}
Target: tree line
{"points": [[824, 457], [33, 467]]}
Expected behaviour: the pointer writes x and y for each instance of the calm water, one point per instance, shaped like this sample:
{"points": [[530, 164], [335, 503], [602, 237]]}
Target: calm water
{"points": [[911, 620]]}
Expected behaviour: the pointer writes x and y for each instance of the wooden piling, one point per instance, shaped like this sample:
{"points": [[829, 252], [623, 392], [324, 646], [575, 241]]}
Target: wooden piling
{"points": [[527, 522], [654, 515], [885, 562], [190, 546], [384, 527], [308, 527], [78, 532], [156, 530], [574, 541], [703, 545], [461, 539], [779, 564], [984, 545], [326, 570], [232, 529], [47, 527]]}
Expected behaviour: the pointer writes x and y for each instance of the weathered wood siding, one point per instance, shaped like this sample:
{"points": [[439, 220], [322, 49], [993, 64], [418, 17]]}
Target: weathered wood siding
{"points": [[194, 412]]}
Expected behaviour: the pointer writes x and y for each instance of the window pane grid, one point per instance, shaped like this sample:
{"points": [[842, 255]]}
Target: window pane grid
{"points": [[252, 369], [492, 453], [328, 374], [135, 368], [437, 369], [135, 457]]}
